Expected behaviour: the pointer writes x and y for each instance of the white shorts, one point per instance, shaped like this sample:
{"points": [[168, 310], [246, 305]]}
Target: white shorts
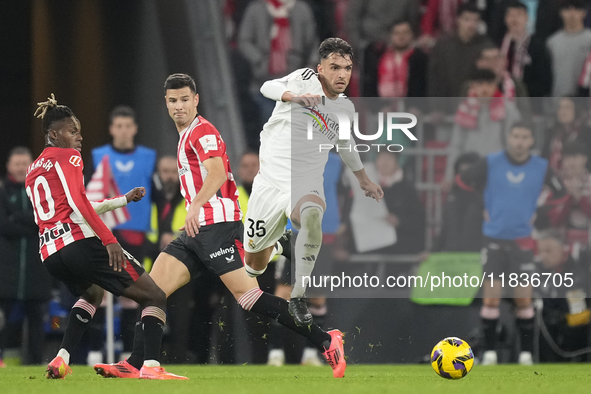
{"points": [[268, 211]]}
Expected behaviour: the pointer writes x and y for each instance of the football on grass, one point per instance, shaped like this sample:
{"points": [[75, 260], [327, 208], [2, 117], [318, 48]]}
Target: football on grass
{"points": [[452, 358]]}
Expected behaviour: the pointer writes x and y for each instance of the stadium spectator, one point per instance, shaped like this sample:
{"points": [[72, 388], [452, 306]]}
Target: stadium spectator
{"points": [[482, 120], [511, 182], [438, 20], [569, 48], [24, 283], [566, 127], [511, 88], [453, 57], [569, 209], [402, 68], [565, 310], [132, 166], [276, 36], [405, 210], [543, 18], [526, 57], [370, 21], [461, 230], [168, 210]]}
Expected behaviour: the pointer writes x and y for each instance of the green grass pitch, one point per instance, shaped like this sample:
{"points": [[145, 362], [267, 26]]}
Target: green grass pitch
{"points": [[373, 379]]}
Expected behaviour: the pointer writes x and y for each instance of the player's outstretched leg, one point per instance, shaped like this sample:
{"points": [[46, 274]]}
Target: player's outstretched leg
{"points": [[307, 247], [251, 298], [318, 310], [152, 301], [168, 274], [80, 315], [129, 368]]}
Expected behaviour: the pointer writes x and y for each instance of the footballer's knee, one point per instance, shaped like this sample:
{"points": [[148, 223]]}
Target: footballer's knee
{"points": [[311, 218], [258, 260], [94, 295], [155, 297], [146, 293]]}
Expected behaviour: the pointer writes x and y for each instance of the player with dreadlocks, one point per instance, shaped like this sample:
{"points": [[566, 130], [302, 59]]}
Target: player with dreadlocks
{"points": [[78, 249]]}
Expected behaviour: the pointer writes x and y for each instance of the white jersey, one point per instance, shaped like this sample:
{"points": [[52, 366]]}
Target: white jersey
{"points": [[287, 155]]}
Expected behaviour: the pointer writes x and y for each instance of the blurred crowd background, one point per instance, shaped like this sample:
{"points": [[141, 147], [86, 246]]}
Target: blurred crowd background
{"points": [[467, 69]]}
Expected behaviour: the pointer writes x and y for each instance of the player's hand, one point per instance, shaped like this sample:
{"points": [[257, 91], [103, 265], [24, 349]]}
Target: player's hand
{"points": [[116, 257], [306, 100], [372, 190], [192, 221], [135, 194]]}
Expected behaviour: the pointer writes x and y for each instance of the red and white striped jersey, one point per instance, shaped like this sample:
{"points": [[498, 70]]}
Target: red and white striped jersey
{"points": [[55, 186], [199, 142]]}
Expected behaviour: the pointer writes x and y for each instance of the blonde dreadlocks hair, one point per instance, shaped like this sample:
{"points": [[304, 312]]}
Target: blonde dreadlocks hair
{"points": [[50, 112]]}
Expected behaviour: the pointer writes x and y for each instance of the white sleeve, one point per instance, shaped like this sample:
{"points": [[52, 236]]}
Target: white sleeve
{"points": [[274, 89], [349, 155], [294, 82], [109, 204]]}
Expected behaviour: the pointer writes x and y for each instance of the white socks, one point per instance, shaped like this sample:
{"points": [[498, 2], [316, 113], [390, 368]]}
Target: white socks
{"points": [[63, 353], [151, 363], [307, 245], [252, 272]]}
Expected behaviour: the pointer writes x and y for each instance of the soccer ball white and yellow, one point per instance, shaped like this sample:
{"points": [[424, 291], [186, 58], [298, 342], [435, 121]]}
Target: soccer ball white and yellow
{"points": [[452, 358]]}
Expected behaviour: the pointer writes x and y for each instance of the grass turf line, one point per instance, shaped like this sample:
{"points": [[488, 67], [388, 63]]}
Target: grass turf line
{"points": [[538, 379]]}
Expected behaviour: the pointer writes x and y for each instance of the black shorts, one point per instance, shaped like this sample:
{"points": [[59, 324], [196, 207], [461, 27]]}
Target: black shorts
{"points": [[217, 247], [86, 262], [508, 256]]}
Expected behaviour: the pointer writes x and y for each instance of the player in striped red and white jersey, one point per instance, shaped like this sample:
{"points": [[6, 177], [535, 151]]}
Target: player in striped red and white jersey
{"points": [[199, 142], [78, 249], [213, 234], [56, 190]]}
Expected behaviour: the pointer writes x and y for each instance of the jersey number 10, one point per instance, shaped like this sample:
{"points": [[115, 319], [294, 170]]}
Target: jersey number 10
{"points": [[35, 198]]}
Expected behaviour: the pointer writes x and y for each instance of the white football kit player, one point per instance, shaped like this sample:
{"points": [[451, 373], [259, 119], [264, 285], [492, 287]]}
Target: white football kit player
{"points": [[292, 160]]}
